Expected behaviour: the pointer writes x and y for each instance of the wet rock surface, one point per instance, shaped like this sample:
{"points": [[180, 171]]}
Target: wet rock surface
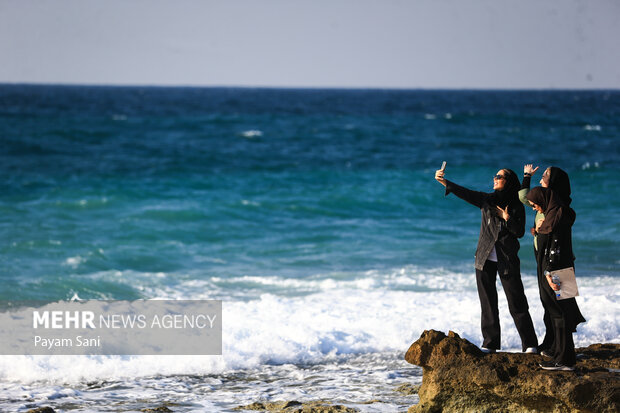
{"points": [[297, 407], [41, 410], [458, 377]]}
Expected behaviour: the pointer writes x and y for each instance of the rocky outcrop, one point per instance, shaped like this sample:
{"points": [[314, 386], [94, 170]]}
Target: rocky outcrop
{"points": [[297, 407], [458, 377]]}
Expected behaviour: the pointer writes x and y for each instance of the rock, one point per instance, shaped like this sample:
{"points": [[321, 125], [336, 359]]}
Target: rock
{"points": [[42, 410], [157, 409], [458, 377], [297, 407], [408, 389]]}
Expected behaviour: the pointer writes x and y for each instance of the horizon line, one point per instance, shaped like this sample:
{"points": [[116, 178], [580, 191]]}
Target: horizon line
{"points": [[280, 87]]}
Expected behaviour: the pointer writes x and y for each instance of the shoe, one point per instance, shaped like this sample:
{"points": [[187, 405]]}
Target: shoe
{"points": [[531, 350], [549, 365], [487, 350], [546, 353]]}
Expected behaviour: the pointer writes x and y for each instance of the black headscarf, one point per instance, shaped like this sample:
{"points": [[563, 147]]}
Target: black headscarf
{"points": [[510, 192], [551, 205], [559, 182]]}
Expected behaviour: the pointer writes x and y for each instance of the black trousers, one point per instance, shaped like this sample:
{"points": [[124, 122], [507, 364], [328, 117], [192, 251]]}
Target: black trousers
{"points": [[517, 304], [547, 342], [549, 339], [559, 311]]}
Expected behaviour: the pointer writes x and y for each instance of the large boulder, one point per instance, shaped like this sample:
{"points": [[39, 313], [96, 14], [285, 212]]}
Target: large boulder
{"points": [[458, 377]]}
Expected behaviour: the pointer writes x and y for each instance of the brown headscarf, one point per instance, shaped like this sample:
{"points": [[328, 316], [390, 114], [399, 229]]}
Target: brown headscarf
{"points": [[560, 184], [551, 205]]}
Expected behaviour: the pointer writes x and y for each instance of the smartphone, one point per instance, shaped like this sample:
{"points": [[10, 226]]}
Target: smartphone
{"points": [[443, 166]]}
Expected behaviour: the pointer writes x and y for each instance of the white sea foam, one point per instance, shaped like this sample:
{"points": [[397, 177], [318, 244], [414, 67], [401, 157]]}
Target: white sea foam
{"points": [[253, 133], [343, 341], [354, 380], [339, 319], [589, 165], [74, 261], [596, 128]]}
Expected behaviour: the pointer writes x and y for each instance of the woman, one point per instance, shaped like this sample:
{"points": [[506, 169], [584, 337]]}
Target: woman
{"points": [[557, 180], [503, 222], [554, 239]]}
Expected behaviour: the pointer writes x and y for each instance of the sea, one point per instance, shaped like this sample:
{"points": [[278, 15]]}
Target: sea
{"points": [[313, 214]]}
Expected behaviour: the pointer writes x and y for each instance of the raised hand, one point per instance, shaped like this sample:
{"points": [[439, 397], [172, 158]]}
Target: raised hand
{"points": [[529, 169]]}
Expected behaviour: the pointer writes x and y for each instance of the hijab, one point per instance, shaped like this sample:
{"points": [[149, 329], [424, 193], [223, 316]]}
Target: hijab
{"points": [[560, 184], [510, 191], [547, 199]]}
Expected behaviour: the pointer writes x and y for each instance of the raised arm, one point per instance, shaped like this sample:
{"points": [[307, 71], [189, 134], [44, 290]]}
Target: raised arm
{"points": [[473, 197], [528, 171]]}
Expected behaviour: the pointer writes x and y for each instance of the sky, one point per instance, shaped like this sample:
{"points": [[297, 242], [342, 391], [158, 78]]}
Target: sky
{"points": [[490, 44]]}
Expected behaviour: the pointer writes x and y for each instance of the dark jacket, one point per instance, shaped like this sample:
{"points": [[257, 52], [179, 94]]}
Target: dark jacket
{"points": [[556, 249], [494, 231], [560, 242]]}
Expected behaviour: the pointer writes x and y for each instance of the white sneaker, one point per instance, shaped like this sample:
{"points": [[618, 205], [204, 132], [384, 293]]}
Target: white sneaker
{"points": [[487, 350], [531, 350], [556, 366]]}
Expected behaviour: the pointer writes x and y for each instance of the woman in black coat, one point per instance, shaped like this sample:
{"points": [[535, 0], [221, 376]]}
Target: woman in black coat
{"points": [[557, 180], [555, 251], [503, 222]]}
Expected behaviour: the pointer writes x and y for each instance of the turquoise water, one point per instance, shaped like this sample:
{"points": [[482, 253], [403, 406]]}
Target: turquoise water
{"points": [[204, 183]]}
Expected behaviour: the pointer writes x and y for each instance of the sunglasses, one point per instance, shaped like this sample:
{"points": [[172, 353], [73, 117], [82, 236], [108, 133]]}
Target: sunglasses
{"points": [[498, 177]]}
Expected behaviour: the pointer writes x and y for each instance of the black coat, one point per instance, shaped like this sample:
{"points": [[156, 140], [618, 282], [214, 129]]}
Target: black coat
{"points": [[555, 250], [494, 231], [560, 242]]}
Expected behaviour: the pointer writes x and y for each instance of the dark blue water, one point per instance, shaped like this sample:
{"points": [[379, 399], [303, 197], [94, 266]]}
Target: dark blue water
{"points": [[123, 193]]}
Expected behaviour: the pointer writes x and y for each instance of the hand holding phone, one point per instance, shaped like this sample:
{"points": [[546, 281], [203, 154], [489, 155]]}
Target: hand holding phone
{"points": [[440, 173]]}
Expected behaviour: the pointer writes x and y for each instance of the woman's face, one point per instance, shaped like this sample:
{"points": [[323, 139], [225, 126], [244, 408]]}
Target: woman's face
{"points": [[536, 207], [544, 181], [499, 180]]}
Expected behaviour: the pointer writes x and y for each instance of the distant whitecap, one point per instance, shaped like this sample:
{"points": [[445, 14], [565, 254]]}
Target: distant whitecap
{"points": [[253, 133], [596, 128], [74, 261], [589, 165]]}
